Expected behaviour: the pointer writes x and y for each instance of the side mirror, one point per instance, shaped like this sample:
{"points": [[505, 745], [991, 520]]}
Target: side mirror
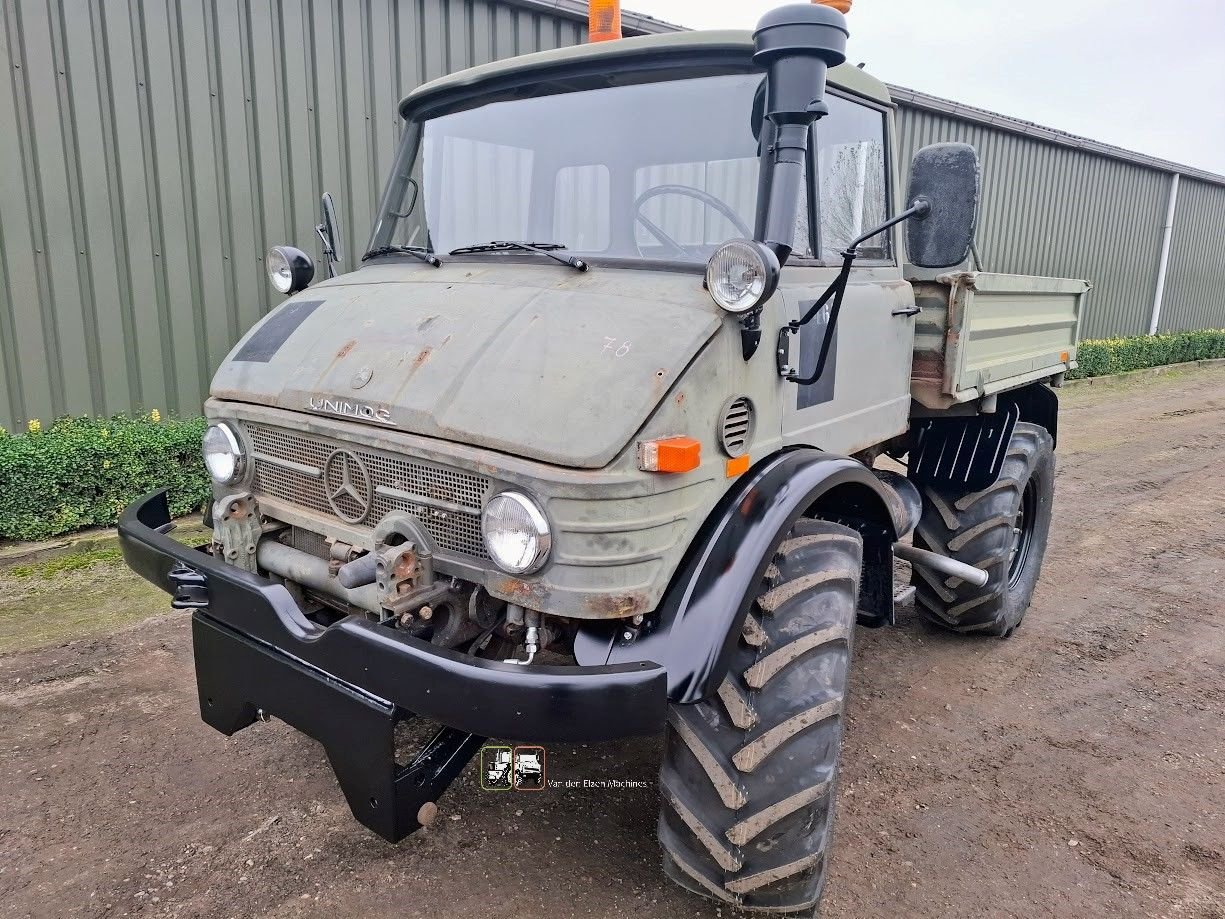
{"points": [[948, 178], [329, 235]]}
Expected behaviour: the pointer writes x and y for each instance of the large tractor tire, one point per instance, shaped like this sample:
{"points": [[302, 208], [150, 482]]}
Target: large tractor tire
{"points": [[749, 776], [1002, 529]]}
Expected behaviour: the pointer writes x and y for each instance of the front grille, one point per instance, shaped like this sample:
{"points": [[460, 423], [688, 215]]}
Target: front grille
{"points": [[291, 467]]}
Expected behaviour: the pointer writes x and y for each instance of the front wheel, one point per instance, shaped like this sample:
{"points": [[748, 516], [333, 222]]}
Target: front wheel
{"points": [[1002, 529], [749, 776]]}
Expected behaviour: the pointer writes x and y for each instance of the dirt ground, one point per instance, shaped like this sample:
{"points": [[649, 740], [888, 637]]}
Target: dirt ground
{"points": [[1077, 769]]}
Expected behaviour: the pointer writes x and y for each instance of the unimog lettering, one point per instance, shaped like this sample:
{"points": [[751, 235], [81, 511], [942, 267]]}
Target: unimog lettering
{"points": [[350, 409], [546, 534]]}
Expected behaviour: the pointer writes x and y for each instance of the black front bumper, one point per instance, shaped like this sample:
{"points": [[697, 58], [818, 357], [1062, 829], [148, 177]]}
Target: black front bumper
{"points": [[349, 684]]}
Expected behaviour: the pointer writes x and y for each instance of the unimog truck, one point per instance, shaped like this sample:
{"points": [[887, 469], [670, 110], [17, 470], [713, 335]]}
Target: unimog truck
{"points": [[649, 374]]}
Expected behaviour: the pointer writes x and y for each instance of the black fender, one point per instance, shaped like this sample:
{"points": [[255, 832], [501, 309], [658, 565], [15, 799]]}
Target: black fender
{"points": [[1037, 404], [695, 628]]}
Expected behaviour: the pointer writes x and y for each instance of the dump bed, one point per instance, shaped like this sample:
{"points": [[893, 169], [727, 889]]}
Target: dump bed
{"points": [[980, 333]]}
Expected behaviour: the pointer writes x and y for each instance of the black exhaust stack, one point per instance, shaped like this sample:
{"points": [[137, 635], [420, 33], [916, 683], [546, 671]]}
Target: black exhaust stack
{"points": [[796, 44]]}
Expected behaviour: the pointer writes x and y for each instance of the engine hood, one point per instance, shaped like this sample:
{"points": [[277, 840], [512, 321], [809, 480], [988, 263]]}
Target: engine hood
{"points": [[532, 360]]}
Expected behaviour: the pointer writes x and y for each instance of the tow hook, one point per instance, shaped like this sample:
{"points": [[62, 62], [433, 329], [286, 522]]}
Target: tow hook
{"points": [[190, 588]]}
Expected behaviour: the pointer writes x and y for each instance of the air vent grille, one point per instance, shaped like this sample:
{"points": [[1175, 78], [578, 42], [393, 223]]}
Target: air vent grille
{"points": [[736, 427]]}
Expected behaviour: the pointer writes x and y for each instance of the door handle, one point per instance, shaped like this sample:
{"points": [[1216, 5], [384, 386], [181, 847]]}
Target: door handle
{"points": [[907, 311]]}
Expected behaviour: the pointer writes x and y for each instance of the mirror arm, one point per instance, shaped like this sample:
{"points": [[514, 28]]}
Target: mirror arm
{"points": [[329, 254], [919, 210], [836, 291]]}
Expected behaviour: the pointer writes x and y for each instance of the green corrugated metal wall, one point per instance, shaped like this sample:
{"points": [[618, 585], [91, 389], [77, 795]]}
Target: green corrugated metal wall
{"points": [[1195, 288], [1056, 211], [151, 151]]}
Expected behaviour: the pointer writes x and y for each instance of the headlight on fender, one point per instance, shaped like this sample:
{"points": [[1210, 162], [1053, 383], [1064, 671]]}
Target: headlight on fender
{"points": [[223, 454], [742, 275], [516, 533], [290, 270]]}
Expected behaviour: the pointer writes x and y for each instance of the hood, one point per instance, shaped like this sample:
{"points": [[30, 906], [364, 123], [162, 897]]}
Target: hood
{"points": [[536, 361]]}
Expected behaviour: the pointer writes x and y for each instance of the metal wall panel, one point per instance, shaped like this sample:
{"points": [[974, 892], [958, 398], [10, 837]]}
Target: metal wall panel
{"points": [[1195, 287], [1053, 210], [152, 150]]}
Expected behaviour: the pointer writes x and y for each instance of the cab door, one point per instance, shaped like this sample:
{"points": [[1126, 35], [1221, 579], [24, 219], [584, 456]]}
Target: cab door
{"points": [[862, 397]]}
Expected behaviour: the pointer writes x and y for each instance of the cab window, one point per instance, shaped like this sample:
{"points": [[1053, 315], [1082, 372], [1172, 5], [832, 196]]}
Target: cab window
{"points": [[852, 183]]}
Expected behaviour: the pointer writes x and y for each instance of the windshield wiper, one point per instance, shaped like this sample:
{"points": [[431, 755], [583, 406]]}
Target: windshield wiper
{"points": [[416, 251], [546, 249]]}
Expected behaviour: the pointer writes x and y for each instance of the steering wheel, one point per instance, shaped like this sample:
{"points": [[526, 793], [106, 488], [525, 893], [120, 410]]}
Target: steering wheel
{"points": [[689, 192]]}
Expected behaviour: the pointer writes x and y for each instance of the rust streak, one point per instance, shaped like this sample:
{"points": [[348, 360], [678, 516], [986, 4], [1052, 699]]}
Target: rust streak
{"points": [[421, 359]]}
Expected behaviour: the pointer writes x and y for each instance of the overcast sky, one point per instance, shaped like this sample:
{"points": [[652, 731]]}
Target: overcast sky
{"points": [[1148, 75]]}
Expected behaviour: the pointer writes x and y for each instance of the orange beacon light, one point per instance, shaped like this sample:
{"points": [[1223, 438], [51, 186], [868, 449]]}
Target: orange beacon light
{"points": [[604, 20]]}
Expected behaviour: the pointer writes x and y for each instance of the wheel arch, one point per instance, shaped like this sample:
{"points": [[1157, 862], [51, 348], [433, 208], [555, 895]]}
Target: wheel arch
{"points": [[694, 629]]}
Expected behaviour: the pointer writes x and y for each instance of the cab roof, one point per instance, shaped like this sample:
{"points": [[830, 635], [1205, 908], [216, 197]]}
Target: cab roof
{"points": [[625, 52]]}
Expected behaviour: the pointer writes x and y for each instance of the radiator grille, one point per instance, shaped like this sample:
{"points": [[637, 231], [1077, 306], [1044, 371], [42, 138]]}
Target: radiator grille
{"points": [[308, 542], [290, 466]]}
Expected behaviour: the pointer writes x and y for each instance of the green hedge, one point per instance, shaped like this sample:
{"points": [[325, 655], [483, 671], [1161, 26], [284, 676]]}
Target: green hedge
{"points": [[82, 472], [1118, 355]]}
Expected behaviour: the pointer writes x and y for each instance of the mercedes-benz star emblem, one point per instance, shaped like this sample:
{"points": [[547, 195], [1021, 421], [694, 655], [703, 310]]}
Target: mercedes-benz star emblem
{"points": [[347, 484], [362, 377]]}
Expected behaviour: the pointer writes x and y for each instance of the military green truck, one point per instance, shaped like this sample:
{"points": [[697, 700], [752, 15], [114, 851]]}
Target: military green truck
{"points": [[648, 375]]}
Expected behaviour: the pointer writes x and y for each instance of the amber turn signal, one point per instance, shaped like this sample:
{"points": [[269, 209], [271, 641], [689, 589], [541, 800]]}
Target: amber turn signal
{"points": [[842, 6], [673, 454], [738, 466], [604, 20]]}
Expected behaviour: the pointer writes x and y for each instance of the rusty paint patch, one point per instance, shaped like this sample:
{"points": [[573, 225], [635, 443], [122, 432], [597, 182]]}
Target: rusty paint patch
{"points": [[613, 606], [680, 398], [422, 358], [348, 346], [928, 365], [512, 590]]}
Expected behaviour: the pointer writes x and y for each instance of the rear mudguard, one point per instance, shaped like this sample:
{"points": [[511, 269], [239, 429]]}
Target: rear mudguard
{"points": [[694, 630]]}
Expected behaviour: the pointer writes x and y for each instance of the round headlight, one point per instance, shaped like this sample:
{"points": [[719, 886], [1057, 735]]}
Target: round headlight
{"points": [[290, 270], [516, 533], [223, 454], [742, 275]]}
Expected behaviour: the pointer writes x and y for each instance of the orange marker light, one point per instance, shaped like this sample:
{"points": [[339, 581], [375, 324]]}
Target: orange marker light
{"points": [[673, 454], [604, 20], [1063, 356], [842, 6], [737, 466]]}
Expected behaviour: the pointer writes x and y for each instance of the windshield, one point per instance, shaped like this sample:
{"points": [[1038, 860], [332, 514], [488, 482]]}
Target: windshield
{"points": [[662, 171]]}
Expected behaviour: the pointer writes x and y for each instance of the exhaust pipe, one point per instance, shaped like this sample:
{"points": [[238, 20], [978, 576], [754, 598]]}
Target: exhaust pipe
{"points": [[941, 563]]}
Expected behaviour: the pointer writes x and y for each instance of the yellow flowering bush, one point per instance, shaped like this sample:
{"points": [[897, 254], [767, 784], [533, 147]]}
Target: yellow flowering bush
{"points": [[82, 472]]}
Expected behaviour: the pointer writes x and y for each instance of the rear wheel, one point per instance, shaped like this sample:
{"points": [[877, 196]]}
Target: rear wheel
{"points": [[1002, 529], [749, 776]]}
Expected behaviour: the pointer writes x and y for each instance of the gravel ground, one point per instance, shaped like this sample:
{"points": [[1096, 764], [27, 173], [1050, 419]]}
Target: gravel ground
{"points": [[1077, 769]]}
